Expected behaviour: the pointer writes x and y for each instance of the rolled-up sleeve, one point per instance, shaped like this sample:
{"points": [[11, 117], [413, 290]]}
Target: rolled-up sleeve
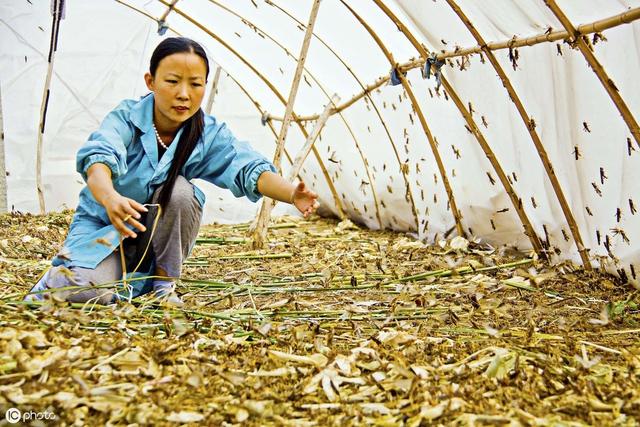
{"points": [[233, 164], [107, 145]]}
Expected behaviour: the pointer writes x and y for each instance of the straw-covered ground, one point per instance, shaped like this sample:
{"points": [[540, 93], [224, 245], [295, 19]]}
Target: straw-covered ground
{"points": [[333, 325]]}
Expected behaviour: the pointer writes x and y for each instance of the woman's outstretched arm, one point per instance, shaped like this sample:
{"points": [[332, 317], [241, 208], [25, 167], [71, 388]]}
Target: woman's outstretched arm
{"points": [[275, 187]]}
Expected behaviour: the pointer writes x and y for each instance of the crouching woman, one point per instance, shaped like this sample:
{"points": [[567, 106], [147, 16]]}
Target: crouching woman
{"points": [[138, 166]]}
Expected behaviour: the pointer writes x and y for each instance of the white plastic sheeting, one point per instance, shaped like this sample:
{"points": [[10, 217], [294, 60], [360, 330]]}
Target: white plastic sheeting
{"points": [[104, 48]]}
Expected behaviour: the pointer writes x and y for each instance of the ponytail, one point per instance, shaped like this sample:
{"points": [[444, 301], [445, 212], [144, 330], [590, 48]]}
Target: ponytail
{"points": [[191, 134]]}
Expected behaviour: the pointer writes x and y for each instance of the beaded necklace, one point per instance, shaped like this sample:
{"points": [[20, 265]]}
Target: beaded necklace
{"points": [[162, 144]]}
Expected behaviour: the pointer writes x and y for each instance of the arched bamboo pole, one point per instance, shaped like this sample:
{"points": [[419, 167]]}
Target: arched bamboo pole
{"points": [[53, 46], [324, 91], [338, 203], [537, 142], [597, 68], [443, 174]]}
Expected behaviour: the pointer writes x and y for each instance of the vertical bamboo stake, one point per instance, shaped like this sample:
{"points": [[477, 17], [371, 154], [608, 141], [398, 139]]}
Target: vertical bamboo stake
{"points": [[260, 231], [214, 89], [55, 27], [296, 83], [3, 170], [597, 68]]}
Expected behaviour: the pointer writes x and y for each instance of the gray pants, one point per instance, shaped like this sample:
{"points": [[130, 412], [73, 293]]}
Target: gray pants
{"points": [[172, 241]]}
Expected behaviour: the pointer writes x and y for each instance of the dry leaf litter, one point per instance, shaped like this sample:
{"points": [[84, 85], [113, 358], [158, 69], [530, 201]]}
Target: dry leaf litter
{"points": [[332, 325]]}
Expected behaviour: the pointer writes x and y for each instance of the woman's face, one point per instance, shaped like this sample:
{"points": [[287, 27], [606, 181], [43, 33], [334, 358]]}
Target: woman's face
{"points": [[178, 88]]}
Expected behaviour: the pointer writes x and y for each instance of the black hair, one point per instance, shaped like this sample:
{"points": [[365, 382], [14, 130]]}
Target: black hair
{"points": [[193, 127]]}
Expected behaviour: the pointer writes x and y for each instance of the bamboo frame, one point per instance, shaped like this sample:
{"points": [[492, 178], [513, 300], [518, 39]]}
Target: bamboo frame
{"points": [[214, 89], [320, 86], [571, 32], [338, 203], [589, 28], [432, 143], [261, 112], [55, 28], [597, 68], [262, 220], [535, 138]]}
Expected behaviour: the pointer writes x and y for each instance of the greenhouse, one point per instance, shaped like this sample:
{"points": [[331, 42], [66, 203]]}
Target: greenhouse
{"points": [[447, 233]]}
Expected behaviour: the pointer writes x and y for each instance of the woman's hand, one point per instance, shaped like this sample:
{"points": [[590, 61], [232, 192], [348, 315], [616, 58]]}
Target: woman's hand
{"points": [[305, 200], [276, 187], [123, 211]]}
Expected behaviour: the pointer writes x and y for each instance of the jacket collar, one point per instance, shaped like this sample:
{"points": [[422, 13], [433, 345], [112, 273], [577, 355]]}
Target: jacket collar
{"points": [[142, 113]]}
